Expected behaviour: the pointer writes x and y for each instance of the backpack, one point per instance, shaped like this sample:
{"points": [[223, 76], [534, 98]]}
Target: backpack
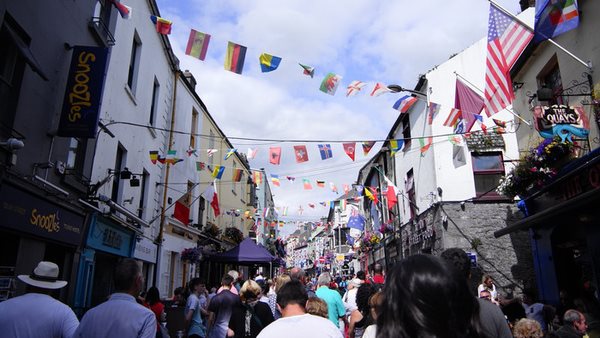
{"points": [[250, 318]]}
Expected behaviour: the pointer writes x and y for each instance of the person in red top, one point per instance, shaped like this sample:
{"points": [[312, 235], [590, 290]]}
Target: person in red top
{"points": [[153, 303], [378, 274]]}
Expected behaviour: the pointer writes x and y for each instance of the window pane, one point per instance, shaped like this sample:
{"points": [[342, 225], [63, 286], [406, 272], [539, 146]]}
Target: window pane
{"points": [[487, 183], [487, 162]]}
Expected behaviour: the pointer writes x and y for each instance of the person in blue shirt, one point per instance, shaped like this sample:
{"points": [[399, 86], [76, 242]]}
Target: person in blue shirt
{"points": [[335, 305]]}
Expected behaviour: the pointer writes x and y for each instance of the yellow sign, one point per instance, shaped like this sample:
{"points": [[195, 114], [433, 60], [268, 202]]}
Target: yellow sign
{"points": [[339, 257]]}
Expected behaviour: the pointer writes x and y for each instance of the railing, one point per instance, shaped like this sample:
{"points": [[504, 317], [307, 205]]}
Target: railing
{"points": [[98, 26]]}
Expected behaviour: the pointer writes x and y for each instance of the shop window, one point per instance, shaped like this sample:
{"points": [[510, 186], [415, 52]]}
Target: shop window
{"points": [[406, 131], [134, 62], [76, 155], [154, 102], [550, 77], [410, 191], [488, 169], [143, 194], [194, 129], [12, 66]]}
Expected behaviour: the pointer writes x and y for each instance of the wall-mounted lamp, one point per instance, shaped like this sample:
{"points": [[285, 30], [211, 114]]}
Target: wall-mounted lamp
{"points": [[397, 89], [12, 144], [134, 181], [545, 94]]}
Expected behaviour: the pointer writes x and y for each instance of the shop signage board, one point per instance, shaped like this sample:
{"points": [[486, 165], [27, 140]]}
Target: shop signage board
{"points": [[81, 104], [145, 250], [25, 212], [109, 238], [560, 120]]}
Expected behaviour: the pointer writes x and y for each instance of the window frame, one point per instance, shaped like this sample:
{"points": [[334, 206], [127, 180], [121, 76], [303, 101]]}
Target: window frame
{"points": [[134, 62], [154, 102], [406, 135], [489, 194]]}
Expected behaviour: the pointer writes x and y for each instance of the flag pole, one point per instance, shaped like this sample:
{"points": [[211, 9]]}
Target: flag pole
{"points": [[481, 91], [588, 65]]}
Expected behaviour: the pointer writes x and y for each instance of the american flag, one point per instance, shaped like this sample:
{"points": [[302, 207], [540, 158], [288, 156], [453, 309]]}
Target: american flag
{"points": [[507, 38]]}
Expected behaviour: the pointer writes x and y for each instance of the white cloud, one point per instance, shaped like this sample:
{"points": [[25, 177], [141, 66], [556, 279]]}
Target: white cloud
{"points": [[389, 42]]}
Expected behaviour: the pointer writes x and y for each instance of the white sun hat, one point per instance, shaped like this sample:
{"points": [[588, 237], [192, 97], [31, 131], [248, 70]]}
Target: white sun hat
{"points": [[45, 276]]}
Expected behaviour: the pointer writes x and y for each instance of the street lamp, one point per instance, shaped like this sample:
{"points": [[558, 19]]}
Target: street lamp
{"points": [[398, 89]]}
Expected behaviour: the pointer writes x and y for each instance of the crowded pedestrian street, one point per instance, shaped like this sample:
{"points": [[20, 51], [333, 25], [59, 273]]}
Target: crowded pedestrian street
{"points": [[339, 169]]}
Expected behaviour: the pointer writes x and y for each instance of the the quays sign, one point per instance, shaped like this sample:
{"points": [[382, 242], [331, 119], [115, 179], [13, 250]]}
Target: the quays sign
{"points": [[28, 213], [560, 120], [81, 105]]}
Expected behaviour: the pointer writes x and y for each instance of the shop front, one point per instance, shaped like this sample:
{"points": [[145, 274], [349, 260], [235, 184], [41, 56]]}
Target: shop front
{"points": [[563, 227], [145, 251], [107, 242], [32, 229]]}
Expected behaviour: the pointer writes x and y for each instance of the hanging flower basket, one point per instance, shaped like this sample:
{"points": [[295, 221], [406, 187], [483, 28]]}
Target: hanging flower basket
{"points": [[191, 255], [212, 230], [233, 234], [537, 168]]}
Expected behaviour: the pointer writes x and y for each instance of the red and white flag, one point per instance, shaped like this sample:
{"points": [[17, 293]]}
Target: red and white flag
{"points": [[379, 89], [454, 115], [354, 87], [350, 149], [275, 155], [391, 194], [210, 194], [252, 153], [507, 39], [301, 154]]}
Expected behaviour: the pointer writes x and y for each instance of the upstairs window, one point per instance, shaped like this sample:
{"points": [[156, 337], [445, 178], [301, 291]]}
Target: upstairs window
{"points": [[406, 130], [488, 169], [194, 129], [410, 191], [134, 62], [76, 155], [154, 102], [550, 77]]}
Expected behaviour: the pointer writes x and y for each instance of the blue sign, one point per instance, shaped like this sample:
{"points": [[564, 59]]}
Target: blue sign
{"points": [[473, 258], [81, 105], [109, 238]]}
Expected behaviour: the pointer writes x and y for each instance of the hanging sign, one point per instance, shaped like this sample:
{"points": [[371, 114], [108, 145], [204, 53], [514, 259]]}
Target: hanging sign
{"points": [[81, 105], [560, 120]]}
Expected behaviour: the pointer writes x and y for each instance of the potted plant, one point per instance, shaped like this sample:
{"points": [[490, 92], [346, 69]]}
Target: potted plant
{"points": [[233, 234]]}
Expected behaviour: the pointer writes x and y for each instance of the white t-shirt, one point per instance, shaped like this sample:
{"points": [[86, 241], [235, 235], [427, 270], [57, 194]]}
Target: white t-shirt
{"points": [[350, 300], [301, 326], [493, 292], [370, 331]]}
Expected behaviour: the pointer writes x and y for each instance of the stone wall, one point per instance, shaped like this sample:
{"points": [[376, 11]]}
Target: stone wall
{"points": [[470, 226]]}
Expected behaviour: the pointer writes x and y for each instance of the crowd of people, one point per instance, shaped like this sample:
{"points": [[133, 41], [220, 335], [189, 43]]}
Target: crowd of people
{"points": [[420, 296]]}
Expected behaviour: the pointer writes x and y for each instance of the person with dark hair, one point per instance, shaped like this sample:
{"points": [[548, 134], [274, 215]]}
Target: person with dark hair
{"points": [[378, 274], [250, 316], [492, 319], [426, 297], [361, 317], [195, 309], [374, 305], [220, 308], [295, 322], [299, 274], [537, 311], [120, 315], [36, 313], [152, 301], [574, 326]]}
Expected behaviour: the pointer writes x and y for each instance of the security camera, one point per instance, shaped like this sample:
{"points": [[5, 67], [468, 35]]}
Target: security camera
{"points": [[12, 144]]}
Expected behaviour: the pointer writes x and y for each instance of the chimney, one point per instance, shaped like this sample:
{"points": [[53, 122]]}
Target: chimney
{"points": [[526, 4], [190, 78]]}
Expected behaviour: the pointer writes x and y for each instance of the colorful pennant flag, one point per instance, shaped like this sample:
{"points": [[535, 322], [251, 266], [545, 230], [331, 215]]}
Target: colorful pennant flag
{"points": [[268, 62], [396, 146], [379, 89], [275, 180], [346, 188], [163, 26], [153, 156], [275, 155], [211, 196], [455, 140], [284, 212], [234, 58], [252, 153], [367, 145], [404, 103], [499, 123], [257, 177], [200, 166], [308, 70], [330, 83], [354, 87], [357, 221], [311, 205], [320, 184], [197, 44], [425, 147], [210, 152], [124, 10], [290, 178], [191, 151], [323, 203], [434, 108], [343, 204], [218, 172], [229, 153], [371, 193], [333, 187], [453, 117], [171, 157], [301, 154], [307, 185], [325, 150], [350, 149], [553, 18], [237, 174]]}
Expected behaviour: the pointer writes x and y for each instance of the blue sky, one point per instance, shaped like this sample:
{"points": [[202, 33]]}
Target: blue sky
{"points": [[372, 41]]}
